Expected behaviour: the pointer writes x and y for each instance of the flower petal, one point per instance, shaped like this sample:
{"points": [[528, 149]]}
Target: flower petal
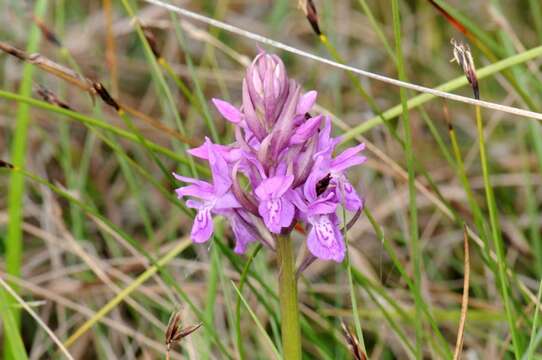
{"points": [[276, 214], [325, 240], [251, 118], [243, 230], [274, 187], [227, 201], [202, 229], [349, 197], [323, 205], [228, 111], [306, 130], [348, 158], [201, 192], [220, 171], [191, 180], [306, 102]]}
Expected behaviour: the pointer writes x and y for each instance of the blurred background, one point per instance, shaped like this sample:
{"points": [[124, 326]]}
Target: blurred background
{"points": [[84, 224]]}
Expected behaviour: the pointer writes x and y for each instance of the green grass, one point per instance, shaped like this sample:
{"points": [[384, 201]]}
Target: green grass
{"points": [[414, 242], [14, 238], [429, 172]]}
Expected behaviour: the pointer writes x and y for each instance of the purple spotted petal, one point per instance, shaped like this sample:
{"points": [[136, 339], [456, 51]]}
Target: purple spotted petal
{"points": [[325, 240], [202, 229], [276, 214], [228, 111], [349, 197]]}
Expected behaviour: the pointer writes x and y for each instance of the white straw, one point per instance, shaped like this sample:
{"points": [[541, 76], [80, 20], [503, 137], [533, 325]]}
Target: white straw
{"points": [[288, 48]]}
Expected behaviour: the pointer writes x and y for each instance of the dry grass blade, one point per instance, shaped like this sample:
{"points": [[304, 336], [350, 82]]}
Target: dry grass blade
{"points": [[47, 32], [174, 332], [465, 298], [353, 343], [60, 71], [13, 51], [92, 87]]}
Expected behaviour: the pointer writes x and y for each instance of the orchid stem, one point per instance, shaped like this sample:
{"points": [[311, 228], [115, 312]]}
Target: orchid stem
{"points": [[291, 333]]}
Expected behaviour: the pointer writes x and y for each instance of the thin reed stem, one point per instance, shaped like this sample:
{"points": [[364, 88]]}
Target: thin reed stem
{"points": [[415, 249], [497, 239]]}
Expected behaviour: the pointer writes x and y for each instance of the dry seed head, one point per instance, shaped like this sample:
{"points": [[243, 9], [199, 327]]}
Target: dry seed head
{"points": [[310, 12], [353, 343], [463, 56], [5, 164], [151, 39], [174, 333], [105, 96]]}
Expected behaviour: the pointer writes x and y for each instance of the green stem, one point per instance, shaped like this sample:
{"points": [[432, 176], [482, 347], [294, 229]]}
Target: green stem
{"points": [[291, 333], [497, 239]]}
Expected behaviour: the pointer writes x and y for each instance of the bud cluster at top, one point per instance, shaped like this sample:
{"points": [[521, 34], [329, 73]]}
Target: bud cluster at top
{"points": [[279, 172]]}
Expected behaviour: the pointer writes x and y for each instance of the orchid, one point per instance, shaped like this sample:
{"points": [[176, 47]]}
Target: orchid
{"points": [[286, 155]]}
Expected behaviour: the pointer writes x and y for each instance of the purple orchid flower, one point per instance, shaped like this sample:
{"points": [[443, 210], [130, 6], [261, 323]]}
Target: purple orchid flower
{"points": [[279, 171], [324, 240]]}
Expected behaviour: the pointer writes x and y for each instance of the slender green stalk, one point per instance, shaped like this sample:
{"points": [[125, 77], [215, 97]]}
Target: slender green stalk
{"points": [[497, 239], [531, 348], [14, 239], [536, 13], [13, 341], [353, 299], [242, 280], [415, 250], [461, 172], [258, 324], [291, 333]]}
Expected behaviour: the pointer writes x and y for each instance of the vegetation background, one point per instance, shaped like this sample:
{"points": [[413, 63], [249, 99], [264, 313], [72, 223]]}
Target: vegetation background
{"points": [[95, 242]]}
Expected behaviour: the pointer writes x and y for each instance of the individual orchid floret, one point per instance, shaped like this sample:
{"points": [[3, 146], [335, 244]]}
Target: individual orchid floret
{"points": [[275, 208], [212, 198]]}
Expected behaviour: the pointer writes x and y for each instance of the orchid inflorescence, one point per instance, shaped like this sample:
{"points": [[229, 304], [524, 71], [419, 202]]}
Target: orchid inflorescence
{"points": [[280, 171]]}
